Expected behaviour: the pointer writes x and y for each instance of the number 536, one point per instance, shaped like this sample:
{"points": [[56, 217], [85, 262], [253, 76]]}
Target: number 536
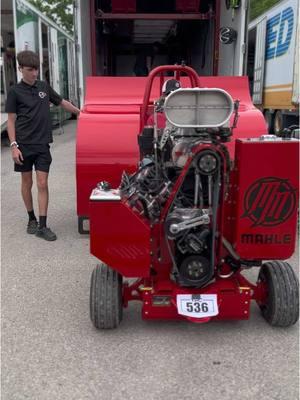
{"points": [[197, 307]]}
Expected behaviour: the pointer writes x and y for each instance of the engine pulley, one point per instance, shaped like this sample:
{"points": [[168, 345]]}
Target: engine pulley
{"points": [[207, 162], [194, 271]]}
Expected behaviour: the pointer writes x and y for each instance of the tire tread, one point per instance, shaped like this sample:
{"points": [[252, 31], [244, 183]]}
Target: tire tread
{"points": [[105, 297], [282, 305]]}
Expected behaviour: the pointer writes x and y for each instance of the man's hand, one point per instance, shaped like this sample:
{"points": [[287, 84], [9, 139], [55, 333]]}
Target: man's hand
{"points": [[17, 155], [69, 107]]}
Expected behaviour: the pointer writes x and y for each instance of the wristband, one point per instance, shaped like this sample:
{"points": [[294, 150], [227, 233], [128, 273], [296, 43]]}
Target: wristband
{"points": [[13, 144]]}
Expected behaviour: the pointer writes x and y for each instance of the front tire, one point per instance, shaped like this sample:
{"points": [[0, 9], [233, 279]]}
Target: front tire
{"points": [[281, 307], [106, 305]]}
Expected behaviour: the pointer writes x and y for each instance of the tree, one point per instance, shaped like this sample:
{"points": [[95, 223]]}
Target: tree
{"points": [[258, 7], [59, 11]]}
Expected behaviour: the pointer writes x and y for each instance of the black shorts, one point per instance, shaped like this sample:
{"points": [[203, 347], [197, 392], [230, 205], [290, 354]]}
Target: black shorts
{"points": [[34, 154]]}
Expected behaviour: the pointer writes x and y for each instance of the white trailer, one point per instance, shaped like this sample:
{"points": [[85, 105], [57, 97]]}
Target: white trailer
{"points": [[273, 64], [209, 35], [24, 27]]}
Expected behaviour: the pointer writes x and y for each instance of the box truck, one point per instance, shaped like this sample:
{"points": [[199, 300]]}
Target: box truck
{"points": [[273, 64]]}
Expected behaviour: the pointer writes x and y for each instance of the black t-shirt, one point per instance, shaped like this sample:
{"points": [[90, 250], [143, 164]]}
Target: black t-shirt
{"points": [[31, 105]]}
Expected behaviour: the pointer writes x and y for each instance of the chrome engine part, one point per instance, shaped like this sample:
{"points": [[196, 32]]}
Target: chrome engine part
{"points": [[182, 219]]}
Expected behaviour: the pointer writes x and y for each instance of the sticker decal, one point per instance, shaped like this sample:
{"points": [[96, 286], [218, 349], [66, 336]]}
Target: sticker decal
{"points": [[269, 201]]}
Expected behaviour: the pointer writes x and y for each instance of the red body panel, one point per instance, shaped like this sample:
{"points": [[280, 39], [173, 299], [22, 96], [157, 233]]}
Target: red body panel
{"points": [[110, 122], [234, 296], [103, 152], [266, 199], [233, 300], [110, 222]]}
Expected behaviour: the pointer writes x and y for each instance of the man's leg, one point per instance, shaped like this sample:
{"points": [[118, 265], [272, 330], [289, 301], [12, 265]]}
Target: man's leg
{"points": [[43, 199], [43, 192], [26, 187]]}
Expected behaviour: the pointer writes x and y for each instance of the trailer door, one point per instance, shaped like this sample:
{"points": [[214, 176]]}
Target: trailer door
{"points": [[72, 73], [295, 98], [232, 52], [54, 62], [259, 61]]}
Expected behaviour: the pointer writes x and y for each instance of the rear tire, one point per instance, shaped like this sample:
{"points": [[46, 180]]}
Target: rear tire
{"points": [[281, 307], [278, 123], [106, 305], [269, 118]]}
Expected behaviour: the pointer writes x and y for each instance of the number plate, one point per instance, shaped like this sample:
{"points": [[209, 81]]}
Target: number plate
{"points": [[197, 306]]}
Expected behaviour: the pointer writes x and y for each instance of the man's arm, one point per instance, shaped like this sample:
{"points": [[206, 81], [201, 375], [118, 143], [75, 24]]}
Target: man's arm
{"points": [[66, 105], [11, 127], [57, 100], [15, 152]]}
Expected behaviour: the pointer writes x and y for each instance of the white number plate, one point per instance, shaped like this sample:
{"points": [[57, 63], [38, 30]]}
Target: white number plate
{"points": [[197, 306]]}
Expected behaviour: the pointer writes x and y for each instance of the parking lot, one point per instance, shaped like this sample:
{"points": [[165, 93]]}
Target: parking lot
{"points": [[50, 349]]}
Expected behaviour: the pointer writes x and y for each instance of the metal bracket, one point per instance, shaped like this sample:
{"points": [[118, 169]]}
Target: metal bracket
{"points": [[81, 229]]}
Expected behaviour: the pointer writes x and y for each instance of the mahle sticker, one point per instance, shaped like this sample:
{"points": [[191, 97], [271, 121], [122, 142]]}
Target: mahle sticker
{"points": [[269, 201]]}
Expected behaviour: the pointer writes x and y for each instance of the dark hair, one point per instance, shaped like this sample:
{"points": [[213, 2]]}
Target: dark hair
{"points": [[28, 58]]}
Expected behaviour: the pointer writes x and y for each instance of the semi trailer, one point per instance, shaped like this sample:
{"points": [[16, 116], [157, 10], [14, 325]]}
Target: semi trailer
{"points": [[273, 64]]}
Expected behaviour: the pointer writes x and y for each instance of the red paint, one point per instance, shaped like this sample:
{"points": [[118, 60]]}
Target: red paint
{"points": [[128, 243], [110, 122], [111, 222], [234, 298], [265, 220]]}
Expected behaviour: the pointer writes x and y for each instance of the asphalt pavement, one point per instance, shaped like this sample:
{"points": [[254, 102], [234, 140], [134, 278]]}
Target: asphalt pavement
{"points": [[50, 349]]}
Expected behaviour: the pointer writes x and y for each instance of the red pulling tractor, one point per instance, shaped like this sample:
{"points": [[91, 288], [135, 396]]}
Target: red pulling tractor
{"points": [[205, 196]]}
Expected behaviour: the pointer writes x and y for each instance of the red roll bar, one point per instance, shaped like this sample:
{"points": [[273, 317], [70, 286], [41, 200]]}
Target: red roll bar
{"points": [[159, 71]]}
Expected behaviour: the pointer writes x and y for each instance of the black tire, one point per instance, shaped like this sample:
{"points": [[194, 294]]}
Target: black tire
{"points": [[282, 303], [106, 305], [269, 118], [278, 123]]}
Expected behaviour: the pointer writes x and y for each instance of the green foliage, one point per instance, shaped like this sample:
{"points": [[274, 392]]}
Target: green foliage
{"points": [[59, 11], [258, 7]]}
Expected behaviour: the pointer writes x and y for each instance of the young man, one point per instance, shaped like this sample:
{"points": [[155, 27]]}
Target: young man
{"points": [[29, 131]]}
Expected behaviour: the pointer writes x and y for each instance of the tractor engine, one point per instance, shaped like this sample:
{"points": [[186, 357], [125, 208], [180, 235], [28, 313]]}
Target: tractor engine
{"points": [[181, 172]]}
